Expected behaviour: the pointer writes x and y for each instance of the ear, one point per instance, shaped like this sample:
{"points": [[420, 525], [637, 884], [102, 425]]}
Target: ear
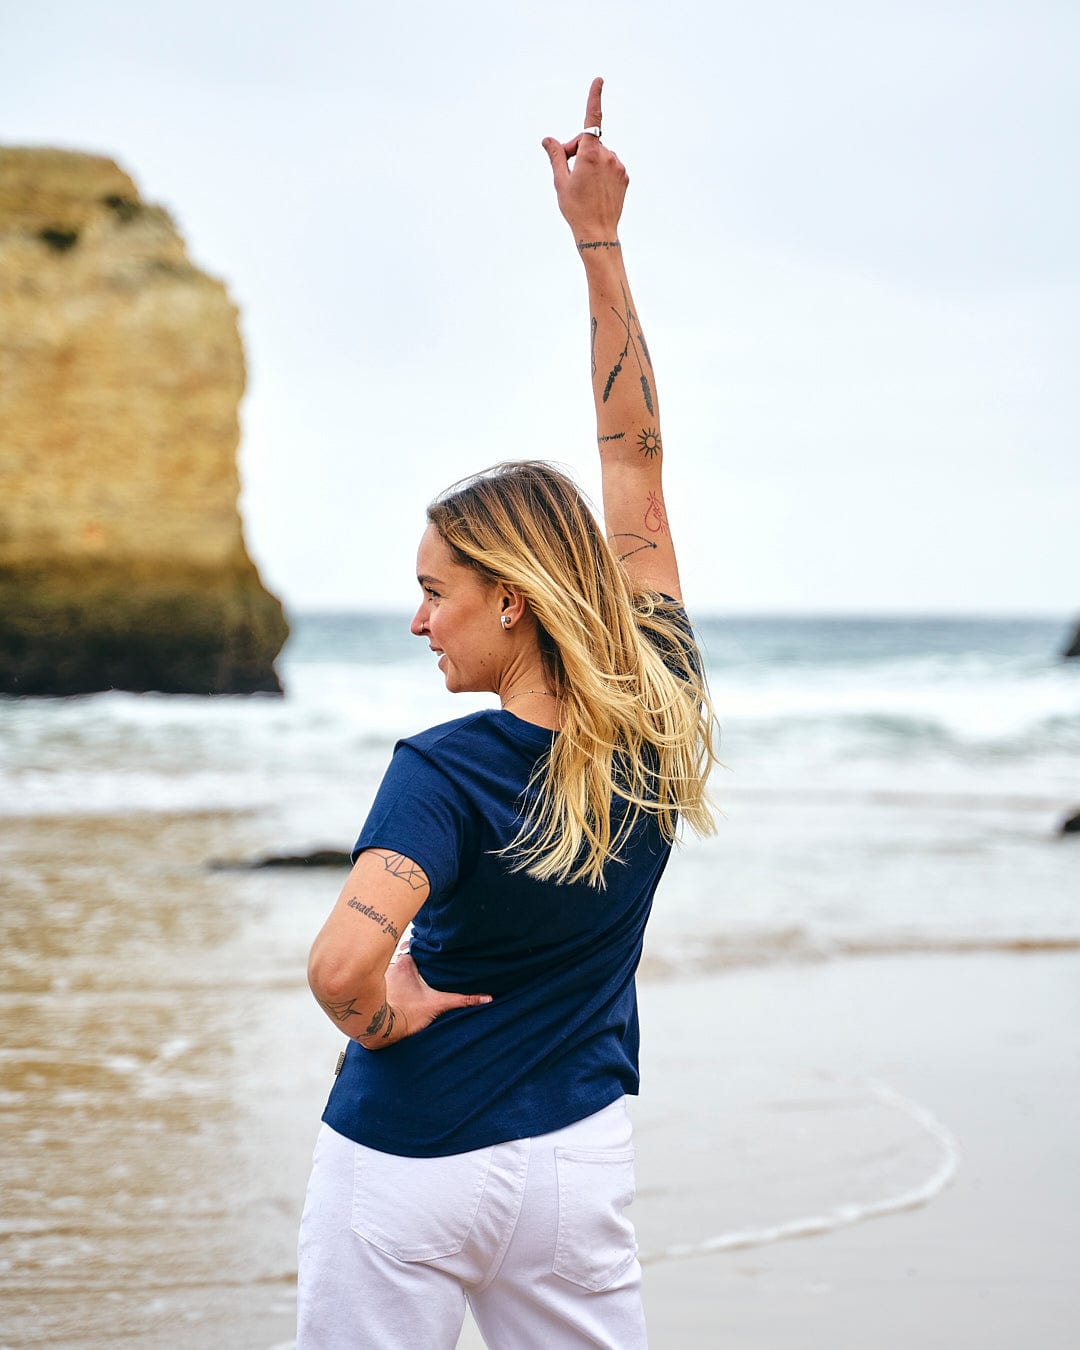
{"points": [[512, 606]]}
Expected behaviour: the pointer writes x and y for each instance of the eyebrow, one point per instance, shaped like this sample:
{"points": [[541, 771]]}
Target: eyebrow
{"points": [[429, 581]]}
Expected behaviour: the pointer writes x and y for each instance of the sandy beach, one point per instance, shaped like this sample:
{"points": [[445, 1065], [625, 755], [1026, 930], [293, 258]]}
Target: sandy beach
{"points": [[165, 1070], [989, 1045]]}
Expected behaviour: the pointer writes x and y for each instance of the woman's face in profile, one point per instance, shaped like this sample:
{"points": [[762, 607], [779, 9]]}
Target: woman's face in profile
{"points": [[459, 615]]}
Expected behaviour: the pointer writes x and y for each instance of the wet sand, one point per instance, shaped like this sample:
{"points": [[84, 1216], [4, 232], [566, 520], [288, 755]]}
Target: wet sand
{"points": [[164, 1070], [991, 1046]]}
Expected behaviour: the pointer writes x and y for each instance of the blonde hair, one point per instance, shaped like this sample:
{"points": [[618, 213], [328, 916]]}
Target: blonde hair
{"points": [[636, 734]]}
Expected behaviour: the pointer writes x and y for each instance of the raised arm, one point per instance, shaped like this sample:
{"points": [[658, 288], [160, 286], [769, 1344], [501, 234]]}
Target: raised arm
{"points": [[590, 195]]}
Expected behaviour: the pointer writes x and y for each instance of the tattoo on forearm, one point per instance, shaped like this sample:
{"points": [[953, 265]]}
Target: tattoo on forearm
{"points": [[584, 245], [635, 342], [654, 515], [382, 1021], [387, 925], [384, 1018], [639, 544], [615, 436], [644, 344], [340, 1012], [399, 866], [649, 442], [613, 375], [592, 345]]}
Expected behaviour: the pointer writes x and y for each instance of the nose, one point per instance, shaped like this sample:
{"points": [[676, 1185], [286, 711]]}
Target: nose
{"points": [[419, 624]]}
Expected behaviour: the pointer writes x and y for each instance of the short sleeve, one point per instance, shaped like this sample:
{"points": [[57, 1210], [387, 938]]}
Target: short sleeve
{"points": [[669, 630], [420, 812]]}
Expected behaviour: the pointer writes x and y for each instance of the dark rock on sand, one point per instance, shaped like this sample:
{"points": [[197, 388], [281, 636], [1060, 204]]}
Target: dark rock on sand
{"points": [[323, 857]]}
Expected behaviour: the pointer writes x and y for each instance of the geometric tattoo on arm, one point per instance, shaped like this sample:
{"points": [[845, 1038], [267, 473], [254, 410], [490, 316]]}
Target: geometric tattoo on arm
{"points": [[636, 543], [404, 868], [398, 866]]}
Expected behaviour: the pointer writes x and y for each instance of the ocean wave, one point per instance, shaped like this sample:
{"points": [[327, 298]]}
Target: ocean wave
{"points": [[713, 953], [844, 1212], [890, 734], [808, 702]]}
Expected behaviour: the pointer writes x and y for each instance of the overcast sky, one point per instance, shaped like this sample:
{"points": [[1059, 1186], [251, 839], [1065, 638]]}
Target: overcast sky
{"points": [[852, 230]]}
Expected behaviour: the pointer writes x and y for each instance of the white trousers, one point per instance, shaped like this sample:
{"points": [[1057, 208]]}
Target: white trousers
{"points": [[531, 1233]]}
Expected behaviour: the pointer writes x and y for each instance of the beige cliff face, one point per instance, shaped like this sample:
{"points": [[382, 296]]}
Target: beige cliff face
{"points": [[121, 373]]}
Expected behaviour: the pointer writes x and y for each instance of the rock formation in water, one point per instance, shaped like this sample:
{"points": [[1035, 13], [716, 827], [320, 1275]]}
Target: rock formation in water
{"points": [[122, 561], [319, 857], [1073, 649]]}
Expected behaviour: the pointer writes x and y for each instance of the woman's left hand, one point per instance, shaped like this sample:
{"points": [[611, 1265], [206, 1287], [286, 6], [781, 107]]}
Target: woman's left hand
{"points": [[413, 1004]]}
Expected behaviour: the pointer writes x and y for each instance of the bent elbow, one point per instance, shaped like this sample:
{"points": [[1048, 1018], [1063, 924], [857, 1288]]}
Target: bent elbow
{"points": [[335, 977]]}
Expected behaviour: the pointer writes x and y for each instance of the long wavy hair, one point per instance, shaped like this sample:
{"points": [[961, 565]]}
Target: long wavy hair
{"points": [[636, 729]]}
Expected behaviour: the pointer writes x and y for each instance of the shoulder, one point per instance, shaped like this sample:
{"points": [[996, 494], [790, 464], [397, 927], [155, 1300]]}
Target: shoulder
{"points": [[665, 625], [461, 728], [662, 616], [488, 726]]}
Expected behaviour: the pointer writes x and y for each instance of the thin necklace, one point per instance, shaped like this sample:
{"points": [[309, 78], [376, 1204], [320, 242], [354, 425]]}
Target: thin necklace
{"points": [[546, 693]]}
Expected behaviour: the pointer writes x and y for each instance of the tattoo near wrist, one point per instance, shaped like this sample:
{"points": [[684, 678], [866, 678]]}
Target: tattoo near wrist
{"points": [[584, 245]]}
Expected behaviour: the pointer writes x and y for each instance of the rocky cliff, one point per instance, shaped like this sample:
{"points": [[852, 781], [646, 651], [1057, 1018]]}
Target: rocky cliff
{"points": [[122, 561]]}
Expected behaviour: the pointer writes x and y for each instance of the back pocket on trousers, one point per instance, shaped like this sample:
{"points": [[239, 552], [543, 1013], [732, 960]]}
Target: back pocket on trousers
{"points": [[417, 1209], [595, 1241]]}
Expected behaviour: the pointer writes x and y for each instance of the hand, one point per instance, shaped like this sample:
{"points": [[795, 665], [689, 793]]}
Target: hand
{"points": [[591, 194], [413, 1003]]}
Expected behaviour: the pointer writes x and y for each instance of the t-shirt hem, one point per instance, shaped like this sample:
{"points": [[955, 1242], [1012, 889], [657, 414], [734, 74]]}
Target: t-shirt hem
{"points": [[467, 1141]]}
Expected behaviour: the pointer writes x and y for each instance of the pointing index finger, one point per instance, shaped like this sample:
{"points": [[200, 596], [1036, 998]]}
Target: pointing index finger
{"points": [[592, 103]]}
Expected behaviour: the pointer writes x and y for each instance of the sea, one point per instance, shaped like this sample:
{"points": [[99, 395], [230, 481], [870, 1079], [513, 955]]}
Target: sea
{"points": [[884, 781], [889, 785]]}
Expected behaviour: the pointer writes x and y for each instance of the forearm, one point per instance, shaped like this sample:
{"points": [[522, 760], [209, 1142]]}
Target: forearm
{"points": [[361, 1010], [623, 382], [624, 388]]}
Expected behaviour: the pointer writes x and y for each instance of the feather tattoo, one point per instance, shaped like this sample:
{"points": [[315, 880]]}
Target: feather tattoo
{"points": [[635, 342]]}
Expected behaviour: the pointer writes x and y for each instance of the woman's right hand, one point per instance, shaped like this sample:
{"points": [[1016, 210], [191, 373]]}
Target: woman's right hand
{"points": [[413, 1003], [628, 437], [591, 194]]}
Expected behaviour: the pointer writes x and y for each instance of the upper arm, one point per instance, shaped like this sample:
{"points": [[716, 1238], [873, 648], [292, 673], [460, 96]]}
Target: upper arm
{"points": [[635, 520], [382, 895]]}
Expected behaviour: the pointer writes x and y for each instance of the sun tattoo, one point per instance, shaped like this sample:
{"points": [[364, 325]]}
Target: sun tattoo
{"points": [[649, 442]]}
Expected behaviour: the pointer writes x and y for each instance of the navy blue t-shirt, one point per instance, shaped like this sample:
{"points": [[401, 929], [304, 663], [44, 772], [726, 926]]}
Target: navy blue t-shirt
{"points": [[560, 1039]]}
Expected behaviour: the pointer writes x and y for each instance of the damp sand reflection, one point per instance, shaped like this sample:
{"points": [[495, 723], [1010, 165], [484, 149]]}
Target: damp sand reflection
{"points": [[152, 1167]]}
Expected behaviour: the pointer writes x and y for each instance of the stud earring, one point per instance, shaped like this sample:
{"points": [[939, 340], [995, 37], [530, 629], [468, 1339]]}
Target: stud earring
{"points": [[506, 620]]}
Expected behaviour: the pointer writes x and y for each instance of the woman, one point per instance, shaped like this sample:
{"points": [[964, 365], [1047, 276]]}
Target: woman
{"points": [[487, 1155]]}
